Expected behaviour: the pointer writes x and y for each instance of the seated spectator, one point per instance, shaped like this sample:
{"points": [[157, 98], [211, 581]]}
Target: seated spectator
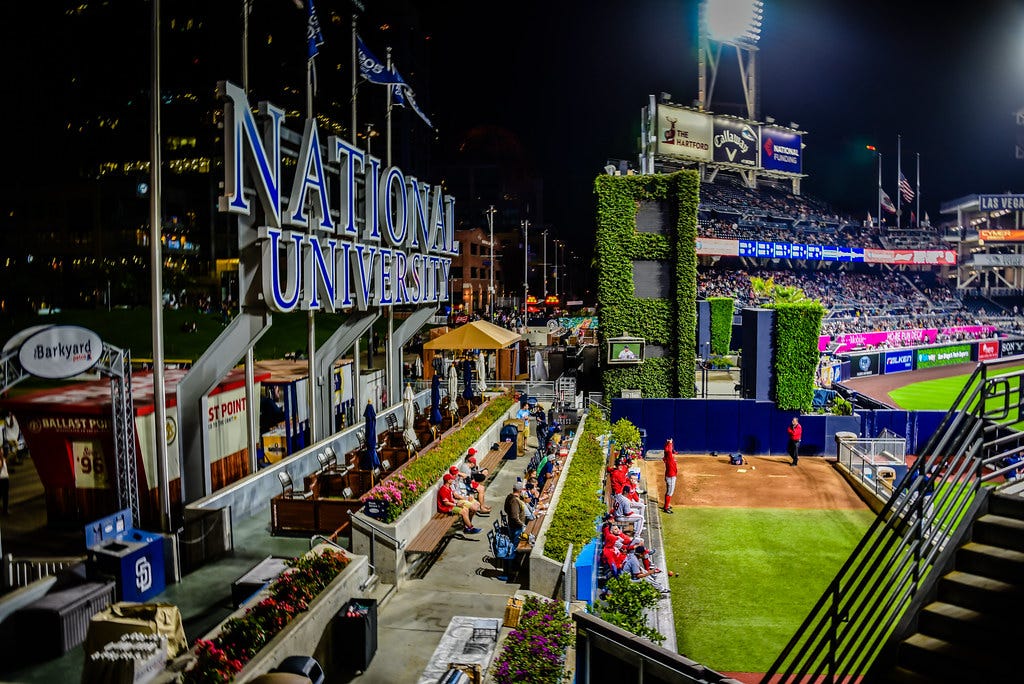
{"points": [[462, 488], [516, 510], [448, 503], [625, 512], [475, 475]]}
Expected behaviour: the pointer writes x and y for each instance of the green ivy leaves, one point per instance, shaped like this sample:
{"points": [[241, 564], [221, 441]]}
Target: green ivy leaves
{"points": [[797, 327]]}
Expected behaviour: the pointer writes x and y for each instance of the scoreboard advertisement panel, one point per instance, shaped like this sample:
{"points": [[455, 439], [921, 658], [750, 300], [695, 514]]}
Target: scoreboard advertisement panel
{"points": [[781, 150], [735, 142], [683, 133]]}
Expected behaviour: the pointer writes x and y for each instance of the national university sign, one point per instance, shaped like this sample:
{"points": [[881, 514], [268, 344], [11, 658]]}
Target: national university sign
{"points": [[314, 254]]}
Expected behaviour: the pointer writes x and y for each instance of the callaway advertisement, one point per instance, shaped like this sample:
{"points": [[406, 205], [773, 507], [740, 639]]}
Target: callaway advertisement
{"points": [[933, 357], [862, 365], [734, 142], [780, 150], [684, 133], [898, 361]]}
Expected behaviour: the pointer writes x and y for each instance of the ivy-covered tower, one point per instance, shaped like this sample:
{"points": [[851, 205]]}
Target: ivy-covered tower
{"points": [[646, 256]]}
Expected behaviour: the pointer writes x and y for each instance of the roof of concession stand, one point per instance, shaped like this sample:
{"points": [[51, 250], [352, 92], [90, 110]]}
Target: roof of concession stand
{"points": [[475, 335]]}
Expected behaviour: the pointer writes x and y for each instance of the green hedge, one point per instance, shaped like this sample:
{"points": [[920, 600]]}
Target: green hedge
{"points": [[663, 322], [797, 327], [721, 324], [579, 503]]}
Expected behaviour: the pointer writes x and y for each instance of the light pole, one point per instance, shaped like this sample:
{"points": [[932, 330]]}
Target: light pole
{"points": [[545, 234], [490, 270], [526, 265]]}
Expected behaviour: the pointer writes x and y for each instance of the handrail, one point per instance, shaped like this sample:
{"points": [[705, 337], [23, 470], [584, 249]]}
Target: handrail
{"points": [[856, 615], [399, 543]]}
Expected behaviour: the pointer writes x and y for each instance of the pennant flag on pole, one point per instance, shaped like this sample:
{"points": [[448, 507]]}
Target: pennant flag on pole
{"points": [[372, 69], [905, 190], [402, 93], [314, 39], [886, 201]]}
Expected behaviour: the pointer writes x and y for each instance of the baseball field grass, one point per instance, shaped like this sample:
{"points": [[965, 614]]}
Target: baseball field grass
{"points": [[748, 577], [939, 394]]}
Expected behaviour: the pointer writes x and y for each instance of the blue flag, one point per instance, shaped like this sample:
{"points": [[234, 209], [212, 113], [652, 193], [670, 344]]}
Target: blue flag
{"points": [[402, 93], [314, 39], [372, 69]]}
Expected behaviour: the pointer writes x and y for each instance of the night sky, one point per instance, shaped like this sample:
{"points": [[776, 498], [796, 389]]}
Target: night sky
{"points": [[571, 77]]}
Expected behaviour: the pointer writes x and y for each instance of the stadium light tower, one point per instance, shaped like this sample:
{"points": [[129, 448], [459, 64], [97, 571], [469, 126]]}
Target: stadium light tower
{"points": [[736, 24]]}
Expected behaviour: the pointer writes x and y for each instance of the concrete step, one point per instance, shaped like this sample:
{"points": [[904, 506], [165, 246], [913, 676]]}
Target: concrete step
{"points": [[965, 626], [942, 661], [991, 561], [901, 675], [998, 530], [980, 593], [1007, 506]]}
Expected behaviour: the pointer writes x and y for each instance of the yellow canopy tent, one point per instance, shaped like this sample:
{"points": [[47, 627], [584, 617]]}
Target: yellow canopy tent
{"points": [[479, 335], [475, 335]]}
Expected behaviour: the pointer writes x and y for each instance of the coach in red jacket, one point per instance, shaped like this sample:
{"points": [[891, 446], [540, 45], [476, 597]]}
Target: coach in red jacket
{"points": [[671, 470], [796, 431]]}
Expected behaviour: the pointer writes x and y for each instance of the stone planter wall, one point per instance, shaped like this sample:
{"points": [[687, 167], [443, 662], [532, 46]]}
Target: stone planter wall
{"points": [[388, 559], [545, 572], [310, 632]]}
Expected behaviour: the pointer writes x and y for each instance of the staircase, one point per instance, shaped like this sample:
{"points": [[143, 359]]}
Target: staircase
{"points": [[966, 634]]}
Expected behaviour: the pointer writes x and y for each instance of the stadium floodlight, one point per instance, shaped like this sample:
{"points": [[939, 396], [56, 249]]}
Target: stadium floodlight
{"points": [[734, 21]]}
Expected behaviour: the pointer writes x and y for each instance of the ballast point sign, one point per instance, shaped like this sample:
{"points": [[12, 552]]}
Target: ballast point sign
{"points": [[331, 243], [60, 351]]}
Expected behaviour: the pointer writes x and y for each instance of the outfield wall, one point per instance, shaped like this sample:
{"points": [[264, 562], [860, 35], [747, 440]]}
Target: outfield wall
{"points": [[759, 427]]}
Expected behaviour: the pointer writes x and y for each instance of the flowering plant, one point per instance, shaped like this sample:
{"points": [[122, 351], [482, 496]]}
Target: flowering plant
{"points": [[401, 490], [535, 651], [241, 638]]}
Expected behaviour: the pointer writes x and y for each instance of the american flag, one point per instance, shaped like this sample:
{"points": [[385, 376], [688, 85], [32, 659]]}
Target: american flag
{"points": [[905, 190]]}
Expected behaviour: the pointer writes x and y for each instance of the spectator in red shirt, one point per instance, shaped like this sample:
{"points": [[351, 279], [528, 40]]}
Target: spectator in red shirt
{"points": [[671, 470], [447, 503], [796, 432]]}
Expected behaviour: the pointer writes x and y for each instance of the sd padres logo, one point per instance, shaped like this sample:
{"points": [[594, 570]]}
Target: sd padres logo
{"points": [[864, 363], [143, 575]]}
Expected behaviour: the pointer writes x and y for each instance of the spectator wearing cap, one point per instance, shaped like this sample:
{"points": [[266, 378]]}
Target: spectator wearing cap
{"points": [[462, 488], [476, 476], [449, 504], [624, 511]]}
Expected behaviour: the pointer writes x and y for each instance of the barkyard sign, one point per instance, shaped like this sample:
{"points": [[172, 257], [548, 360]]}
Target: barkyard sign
{"points": [[313, 253]]}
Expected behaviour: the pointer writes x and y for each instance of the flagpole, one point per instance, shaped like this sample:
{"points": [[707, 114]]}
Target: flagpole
{"points": [[354, 69], [879, 191], [310, 320], [250, 360], [387, 113], [918, 188], [899, 174]]}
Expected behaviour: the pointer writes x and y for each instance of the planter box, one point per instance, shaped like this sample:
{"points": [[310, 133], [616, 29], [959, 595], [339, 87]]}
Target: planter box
{"points": [[370, 536], [309, 633]]}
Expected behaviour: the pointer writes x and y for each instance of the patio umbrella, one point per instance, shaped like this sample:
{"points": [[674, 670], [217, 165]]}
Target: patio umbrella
{"points": [[371, 459], [453, 389], [481, 373], [467, 378], [435, 400], [409, 432], [540, 372]]}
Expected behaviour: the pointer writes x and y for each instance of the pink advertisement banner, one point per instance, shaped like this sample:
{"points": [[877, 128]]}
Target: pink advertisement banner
{"points": [[899, 338]]}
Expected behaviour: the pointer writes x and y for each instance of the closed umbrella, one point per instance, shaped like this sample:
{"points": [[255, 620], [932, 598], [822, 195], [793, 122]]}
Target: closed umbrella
{"points": [[467, 379], [481, 373], [453, 389], [408, 407], [540, 372], [371, 459], [435, 400]]}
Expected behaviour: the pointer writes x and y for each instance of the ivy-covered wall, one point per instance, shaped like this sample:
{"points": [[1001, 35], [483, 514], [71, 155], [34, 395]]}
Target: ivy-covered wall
{"points": [[721, 324], [668, 323], [797, 326]]}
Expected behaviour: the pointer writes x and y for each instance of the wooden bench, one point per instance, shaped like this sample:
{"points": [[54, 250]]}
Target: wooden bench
{"points": [[432, 533], [439, 524], [533, 526]]}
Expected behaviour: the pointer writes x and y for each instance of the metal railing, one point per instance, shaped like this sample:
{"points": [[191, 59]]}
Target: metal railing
{"points": [[877, 463], [865, 602], [20, 572]]}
